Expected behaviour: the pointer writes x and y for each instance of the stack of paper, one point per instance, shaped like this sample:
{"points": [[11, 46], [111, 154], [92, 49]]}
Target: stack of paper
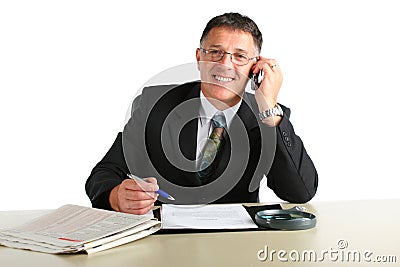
{"points": [[72, 229], [219, 216]]}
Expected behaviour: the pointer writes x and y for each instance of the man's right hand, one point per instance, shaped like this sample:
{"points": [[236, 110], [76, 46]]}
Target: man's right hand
{"points": [[134, 197]]}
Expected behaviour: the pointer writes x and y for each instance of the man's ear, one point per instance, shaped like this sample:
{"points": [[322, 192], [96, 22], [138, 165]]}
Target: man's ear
{"points": [[198, 58]]}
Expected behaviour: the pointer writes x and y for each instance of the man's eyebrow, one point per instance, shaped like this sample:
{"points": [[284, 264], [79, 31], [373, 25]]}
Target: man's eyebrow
{"points": [[216, 46], [240, 50]]}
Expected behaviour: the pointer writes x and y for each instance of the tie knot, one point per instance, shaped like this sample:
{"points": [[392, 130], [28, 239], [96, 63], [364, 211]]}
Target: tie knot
{"points": [[219, 120]]}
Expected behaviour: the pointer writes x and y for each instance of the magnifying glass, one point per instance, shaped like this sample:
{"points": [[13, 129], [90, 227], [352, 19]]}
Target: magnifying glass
{"points": [[291, 219]]}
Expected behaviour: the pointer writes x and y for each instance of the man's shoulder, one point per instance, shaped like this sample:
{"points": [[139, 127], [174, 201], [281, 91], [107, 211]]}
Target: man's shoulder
{"points": [[184, 89]]}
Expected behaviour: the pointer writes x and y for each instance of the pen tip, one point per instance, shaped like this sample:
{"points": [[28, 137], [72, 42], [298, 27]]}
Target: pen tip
{"points": [[171, 198]]}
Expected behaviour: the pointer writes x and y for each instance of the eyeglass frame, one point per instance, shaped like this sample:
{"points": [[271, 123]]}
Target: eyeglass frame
{"points": [[231, 55]]}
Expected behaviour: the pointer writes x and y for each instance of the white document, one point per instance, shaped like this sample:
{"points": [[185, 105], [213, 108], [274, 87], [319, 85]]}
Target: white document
{"points": [[218, 216], [72, 228]]}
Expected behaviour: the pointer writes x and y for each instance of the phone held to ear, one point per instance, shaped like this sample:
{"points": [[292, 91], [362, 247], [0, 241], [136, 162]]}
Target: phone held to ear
{"points": [[256, 79]]}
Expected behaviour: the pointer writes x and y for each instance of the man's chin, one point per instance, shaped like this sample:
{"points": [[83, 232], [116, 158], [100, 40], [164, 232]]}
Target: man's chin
{"points": [[222, 93], [224, 88]]}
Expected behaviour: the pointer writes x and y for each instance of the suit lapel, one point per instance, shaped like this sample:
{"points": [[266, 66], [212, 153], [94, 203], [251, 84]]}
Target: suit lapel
{"points": [[182, 125]]}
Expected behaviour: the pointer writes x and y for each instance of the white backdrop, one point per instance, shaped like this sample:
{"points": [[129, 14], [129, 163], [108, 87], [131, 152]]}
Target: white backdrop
{"points": [[69, 69]]}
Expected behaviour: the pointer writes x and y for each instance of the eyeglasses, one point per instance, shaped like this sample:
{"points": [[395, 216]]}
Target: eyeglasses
{"points": [[239, 59]]}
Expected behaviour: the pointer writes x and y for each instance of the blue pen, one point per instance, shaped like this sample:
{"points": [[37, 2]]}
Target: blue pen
{"points": [[159, 191]]}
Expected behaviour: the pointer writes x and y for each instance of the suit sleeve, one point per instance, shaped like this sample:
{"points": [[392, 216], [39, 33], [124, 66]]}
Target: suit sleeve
{"points": [[113, 168], [107, 174], [292, 176]]}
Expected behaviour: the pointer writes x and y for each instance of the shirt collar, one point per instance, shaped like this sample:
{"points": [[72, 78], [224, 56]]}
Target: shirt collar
{"points": [[207, 111]]}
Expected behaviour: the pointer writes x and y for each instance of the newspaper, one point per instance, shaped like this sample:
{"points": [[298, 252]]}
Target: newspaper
{"points": [[72, 229]]}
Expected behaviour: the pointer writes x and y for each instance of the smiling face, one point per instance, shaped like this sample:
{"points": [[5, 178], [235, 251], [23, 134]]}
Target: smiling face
{"points": [[223, 80]]}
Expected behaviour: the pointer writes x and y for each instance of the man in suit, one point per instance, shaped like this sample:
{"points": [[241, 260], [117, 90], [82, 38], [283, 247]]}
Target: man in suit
{"points": [[208, 141]]}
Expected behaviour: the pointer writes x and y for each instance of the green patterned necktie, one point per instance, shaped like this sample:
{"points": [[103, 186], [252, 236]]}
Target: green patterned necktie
{"points": [[213, 145]]}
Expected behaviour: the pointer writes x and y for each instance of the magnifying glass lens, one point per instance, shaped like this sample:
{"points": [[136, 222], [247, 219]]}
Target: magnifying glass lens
{"points": [[278, 217], [285, 219]]}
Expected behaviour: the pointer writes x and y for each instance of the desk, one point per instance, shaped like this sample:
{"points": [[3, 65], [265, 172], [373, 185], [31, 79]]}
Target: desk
{"points": [[363, 227]]}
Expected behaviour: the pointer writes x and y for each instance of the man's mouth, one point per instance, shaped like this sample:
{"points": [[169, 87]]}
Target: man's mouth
{"points": [[222, 78]]}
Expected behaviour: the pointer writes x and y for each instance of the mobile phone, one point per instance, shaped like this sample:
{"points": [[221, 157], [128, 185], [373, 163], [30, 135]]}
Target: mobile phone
{"points": [[256, 79]]}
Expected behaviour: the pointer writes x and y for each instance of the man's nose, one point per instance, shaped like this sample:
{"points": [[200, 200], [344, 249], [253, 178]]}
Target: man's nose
{"points": [[226, 60]]}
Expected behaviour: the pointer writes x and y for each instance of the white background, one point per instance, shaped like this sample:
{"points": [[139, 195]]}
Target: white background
{"points": [[69, 69]]}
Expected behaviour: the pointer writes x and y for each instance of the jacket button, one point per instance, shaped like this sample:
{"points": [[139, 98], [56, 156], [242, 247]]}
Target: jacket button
{"points": [[284, 133]]}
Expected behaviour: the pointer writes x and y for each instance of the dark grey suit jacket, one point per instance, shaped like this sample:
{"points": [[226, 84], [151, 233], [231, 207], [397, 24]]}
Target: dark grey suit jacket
{"points": [[159, 141]]}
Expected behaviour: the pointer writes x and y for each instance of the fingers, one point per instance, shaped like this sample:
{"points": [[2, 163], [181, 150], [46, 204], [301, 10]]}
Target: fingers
{"points": [[267, 65], [136, 207], [267, 93], [151, 180], [137, 197], [149, 186]]}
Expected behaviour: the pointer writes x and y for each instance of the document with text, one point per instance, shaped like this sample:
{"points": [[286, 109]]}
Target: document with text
{"points": [[218, 216], [72, 228]]}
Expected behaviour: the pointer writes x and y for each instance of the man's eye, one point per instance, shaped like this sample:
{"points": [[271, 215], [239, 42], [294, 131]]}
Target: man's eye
{"points": [[240, 56], [214, 52]]}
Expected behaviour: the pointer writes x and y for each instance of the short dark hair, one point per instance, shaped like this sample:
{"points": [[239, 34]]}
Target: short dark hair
{"points": [[235, 21]]}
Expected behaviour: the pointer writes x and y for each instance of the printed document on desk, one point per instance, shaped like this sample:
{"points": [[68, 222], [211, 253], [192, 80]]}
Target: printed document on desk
{"points": [[215, 216], [71, 229]]}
